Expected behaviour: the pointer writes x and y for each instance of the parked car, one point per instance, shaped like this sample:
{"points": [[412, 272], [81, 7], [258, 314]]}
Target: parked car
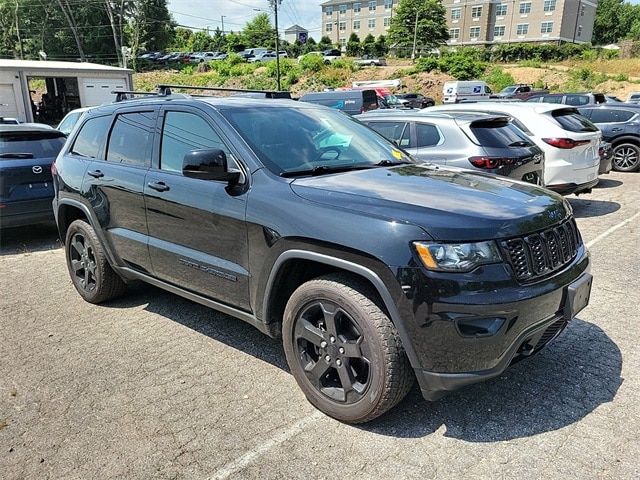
{"points": [[634, 97], [416, 100], [620, 126], [26, 188], [569, 140], [263, 57], [374, 270], [329, 56], [455, 92], [521, 91], [489, 144], [70, 119], [573, 99], [370, 61], [606, 158], [351, 102]]}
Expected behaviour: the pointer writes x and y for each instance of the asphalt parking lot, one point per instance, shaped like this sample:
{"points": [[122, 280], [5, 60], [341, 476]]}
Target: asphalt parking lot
{"points": [[153, 385]]}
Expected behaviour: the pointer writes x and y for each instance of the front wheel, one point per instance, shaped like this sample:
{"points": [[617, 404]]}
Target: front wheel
{"points": [[626, 157], [343, 350]]}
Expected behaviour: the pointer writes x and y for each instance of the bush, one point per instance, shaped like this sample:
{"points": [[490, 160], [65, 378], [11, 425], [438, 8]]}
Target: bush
{"points": [[311, 63], [498, 79], [345, 64], [461, 66], [533, 63], [427, 64], [621, 77]]}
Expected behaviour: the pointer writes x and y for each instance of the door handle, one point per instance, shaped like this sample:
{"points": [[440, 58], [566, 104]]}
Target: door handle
{"points": [[616, 129], [95, 173], [158, 186]]}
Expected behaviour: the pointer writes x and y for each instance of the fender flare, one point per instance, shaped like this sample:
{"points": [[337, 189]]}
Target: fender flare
{"points": [[357, 269], [625, 139]]}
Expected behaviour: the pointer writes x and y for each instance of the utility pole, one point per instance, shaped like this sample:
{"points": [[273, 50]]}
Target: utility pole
{"points": [[18, 32], [274, 4], [222, 21], [415, 38]]}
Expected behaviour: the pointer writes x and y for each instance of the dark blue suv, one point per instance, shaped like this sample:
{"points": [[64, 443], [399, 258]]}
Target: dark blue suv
{"points": [[26, 188]]}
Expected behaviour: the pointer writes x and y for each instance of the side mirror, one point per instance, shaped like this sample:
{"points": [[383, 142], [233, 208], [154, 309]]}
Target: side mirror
{"points": [[210, 164]]}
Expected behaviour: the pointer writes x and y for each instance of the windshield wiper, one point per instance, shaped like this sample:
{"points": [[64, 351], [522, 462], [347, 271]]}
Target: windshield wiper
{"points": [[322, 169], [16, 155], [386, 163], [519, 143]]}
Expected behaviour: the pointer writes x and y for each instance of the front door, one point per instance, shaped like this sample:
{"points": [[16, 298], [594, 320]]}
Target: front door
{"points": [[114, 180], [197, 231]]}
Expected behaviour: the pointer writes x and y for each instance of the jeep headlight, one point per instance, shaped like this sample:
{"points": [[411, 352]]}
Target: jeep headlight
{"points": [[457, 257]]}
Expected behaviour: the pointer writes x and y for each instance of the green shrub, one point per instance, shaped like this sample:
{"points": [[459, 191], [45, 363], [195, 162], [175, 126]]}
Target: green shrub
{"points": [[312, 63], [346, 64], [621, 77], [461, 66], [532, 63], [498, 79], [589, 55], [427, 64]]}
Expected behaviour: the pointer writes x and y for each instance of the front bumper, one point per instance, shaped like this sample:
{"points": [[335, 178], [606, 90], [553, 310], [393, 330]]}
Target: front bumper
{"points": [[528, 316]]}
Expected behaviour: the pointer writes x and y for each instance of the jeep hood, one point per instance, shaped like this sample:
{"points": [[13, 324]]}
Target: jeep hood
{"points": [[449, 204]]}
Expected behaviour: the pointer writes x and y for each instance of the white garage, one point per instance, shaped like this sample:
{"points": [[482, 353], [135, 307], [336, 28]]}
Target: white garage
{"points": [[43, 91]]}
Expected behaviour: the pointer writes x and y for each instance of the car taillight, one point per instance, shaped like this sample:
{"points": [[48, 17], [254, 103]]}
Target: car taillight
{"points": [[488, 162], [565, 143]]}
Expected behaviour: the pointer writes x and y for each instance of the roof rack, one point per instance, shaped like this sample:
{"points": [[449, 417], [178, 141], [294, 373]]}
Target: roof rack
{"points": [[165, 89], [122, 95]]}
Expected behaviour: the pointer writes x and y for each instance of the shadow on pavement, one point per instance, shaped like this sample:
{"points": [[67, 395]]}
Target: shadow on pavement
{"points": [[554, 389], [587, 208], [32, 238], [608, 183]]}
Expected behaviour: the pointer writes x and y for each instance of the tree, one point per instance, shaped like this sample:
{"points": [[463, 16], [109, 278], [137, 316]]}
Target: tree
{"points": [[369, 45], [310, 46], [259, 32], [325, 43], [381, 48], [607, 21], [200, 42], [353, 46], [151, 24], [182, 39], [431, 25], [235, 42]]}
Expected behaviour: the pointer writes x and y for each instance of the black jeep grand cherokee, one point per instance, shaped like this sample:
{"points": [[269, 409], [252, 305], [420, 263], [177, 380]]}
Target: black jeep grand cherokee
{"points": [[373, 269]]}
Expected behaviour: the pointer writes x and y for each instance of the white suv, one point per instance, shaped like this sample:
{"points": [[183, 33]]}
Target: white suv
{"points": [[569, 140]]}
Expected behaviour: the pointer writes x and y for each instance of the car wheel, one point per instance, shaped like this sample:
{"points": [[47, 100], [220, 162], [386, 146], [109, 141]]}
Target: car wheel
{"points": [[343, 350], [430, 104], [373, 64], [626, 157], [89, 269]]}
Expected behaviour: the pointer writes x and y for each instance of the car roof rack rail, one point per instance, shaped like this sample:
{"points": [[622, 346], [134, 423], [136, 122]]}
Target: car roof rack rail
{"points": [[122, 95], [165, 89]]}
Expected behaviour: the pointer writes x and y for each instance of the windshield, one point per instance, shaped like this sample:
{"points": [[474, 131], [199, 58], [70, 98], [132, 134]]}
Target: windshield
{"points": [[509, 89], [392, 99], [290, 139]]}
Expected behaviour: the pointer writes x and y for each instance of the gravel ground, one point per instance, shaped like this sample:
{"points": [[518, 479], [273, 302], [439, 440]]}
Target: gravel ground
{"points": [[156, 386]]}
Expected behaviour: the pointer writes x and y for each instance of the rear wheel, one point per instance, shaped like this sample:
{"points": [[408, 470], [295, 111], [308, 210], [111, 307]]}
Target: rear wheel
{"points": [[89, 269], [626, 157], [343, 350]]}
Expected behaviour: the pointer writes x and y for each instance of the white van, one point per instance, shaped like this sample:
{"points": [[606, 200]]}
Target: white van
{"points": [[454, 92]]}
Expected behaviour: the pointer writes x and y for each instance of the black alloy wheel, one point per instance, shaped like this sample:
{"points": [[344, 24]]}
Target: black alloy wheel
{"points": [[83, 262]]}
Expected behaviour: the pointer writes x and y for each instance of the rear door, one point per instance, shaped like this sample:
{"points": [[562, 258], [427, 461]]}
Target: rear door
{"points": [[114, 184], [25, 170], [197, 230]]}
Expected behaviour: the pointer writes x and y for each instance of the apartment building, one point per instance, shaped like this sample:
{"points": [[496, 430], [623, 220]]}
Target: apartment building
{"points": [[473, 22], [342, 18]]}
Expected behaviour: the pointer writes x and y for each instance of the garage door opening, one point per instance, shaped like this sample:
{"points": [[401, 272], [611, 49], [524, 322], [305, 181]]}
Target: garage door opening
{"points": [[53, 97]]}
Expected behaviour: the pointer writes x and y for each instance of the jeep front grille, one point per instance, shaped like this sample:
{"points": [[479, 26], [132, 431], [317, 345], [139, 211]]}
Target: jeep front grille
{"points": [[542, 253]]}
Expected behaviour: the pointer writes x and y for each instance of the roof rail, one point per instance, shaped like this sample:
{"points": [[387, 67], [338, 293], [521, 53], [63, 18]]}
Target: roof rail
{"points": [[164, 89], [122, 95]]}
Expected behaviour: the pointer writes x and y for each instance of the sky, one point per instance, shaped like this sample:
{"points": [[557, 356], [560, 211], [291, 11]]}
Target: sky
{"points": [[203, 13]]}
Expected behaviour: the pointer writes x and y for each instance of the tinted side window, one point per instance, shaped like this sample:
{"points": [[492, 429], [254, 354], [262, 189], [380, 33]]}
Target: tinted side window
{"points": [[577, 100], [498, 134], [130, 139], [182, 133], [426, 135], [572, 121], [552, 99], [606, 115], [90, 138], [394, 131]]}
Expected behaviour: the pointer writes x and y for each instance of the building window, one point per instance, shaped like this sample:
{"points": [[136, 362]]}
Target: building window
{"points": [[387, 21], [501, 10], [498, 31], [582, 11], [342, 26], [546, 27], [328, 27], [372, 23], [343, 42], [357, 7], [454, 33], [579, 30], [522, 29], [476, 12], [474, 32], [372, 6], [356, 24], [456, 13], [388, 4], [549, 5], [525, 7], [342, 9], [328, 11]]}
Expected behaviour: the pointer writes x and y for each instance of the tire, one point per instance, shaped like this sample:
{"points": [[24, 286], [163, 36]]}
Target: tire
{"points": [[88, 267], [626, 157], [335, 334]]}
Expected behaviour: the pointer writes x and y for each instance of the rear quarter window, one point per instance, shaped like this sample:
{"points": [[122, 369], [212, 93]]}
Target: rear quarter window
{"points": [[577, 100], [90, 138], [572, 121], [498, 134], [37, 144], [610, 115]]}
